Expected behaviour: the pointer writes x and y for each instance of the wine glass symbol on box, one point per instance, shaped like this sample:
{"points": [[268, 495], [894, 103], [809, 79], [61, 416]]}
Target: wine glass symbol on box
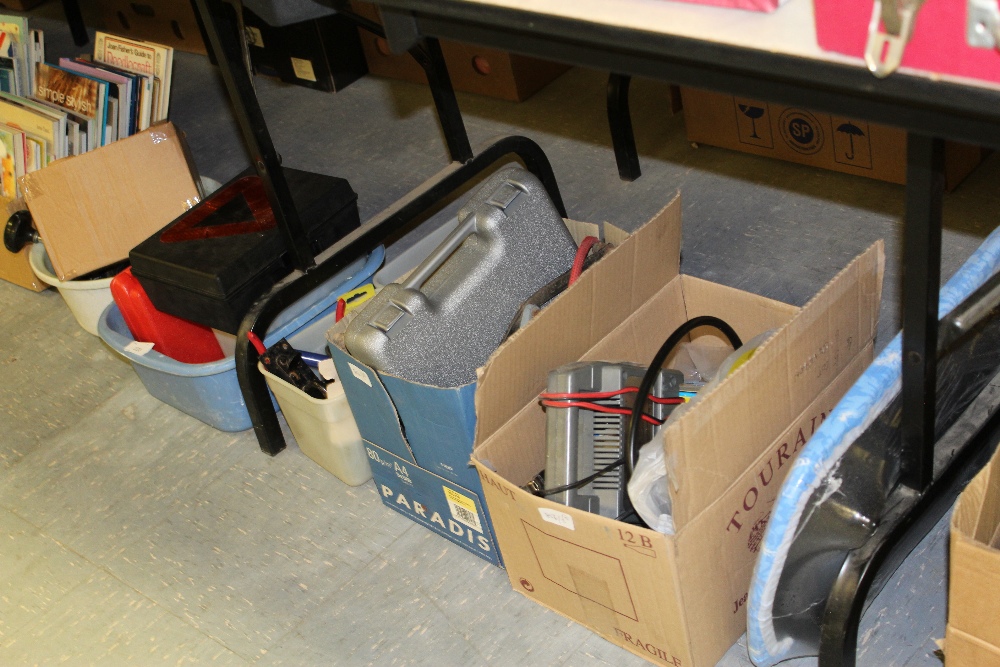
{"points": [[753, 122]]}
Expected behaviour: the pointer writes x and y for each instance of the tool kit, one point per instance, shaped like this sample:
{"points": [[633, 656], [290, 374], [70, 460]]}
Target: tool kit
{"points": [[213, 262], [455, 308]]}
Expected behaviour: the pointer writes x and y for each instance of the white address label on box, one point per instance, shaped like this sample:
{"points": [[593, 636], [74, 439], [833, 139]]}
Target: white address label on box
{"points": [[136, 347], [557, 517], [463, 509], [360, 374]]}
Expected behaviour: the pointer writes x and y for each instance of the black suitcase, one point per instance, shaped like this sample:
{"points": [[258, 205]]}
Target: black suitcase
{"points": [[213, 262]]}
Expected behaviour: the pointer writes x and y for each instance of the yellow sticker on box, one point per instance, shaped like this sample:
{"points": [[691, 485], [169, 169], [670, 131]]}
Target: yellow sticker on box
{"points": [[463, 509]]}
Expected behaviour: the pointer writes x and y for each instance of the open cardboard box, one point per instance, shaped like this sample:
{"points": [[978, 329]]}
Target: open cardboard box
{"points": [[677, 599], [973, 634], [419, 439]]}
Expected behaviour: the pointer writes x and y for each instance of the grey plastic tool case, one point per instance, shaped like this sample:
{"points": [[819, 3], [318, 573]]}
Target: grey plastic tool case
{"points": [[454, 309]]}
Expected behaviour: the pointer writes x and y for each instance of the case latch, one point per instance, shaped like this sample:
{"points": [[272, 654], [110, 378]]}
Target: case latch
{"points": [[884, 50], [982, 24]]}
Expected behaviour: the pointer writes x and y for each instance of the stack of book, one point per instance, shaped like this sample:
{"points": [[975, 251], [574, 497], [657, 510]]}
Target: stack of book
{"points": [[51, 111]]}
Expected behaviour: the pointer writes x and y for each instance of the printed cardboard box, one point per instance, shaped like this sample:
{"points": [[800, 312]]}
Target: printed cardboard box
{"points": [[973, 635], [820, 140], [673, 599], [419, 440]]}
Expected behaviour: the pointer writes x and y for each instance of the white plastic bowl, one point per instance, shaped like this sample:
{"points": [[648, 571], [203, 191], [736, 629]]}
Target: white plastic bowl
{"points": [[86, 299]]}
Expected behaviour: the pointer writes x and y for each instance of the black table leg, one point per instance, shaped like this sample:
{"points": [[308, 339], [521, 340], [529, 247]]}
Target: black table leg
{"points": [[921, 284], [428, 55], [225, 40], [620, 123], [75, 20]]}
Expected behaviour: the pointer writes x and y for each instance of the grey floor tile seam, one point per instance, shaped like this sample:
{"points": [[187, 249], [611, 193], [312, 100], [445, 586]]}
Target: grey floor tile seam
{"points": [[128, 585]]}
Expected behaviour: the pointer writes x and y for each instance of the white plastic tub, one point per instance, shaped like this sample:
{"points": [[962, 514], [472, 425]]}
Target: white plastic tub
{"points": [[323, 428], [86, 299]]}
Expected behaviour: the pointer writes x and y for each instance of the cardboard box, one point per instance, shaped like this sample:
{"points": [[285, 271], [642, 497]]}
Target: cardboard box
{"points": [[323, 53], [168, 22], [90, 210], [473, 69], [973, 635], [419, 439], [672, 599], [14, 267], [842, 144]]}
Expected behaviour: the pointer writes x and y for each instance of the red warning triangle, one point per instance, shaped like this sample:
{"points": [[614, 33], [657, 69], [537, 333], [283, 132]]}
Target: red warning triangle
{"points": [[225, 212]]}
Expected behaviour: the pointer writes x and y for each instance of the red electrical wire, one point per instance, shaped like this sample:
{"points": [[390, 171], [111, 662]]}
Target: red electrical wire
{"points": [[581, 257], [599, 408], [341, 307], [255, 341], [597, 395]]}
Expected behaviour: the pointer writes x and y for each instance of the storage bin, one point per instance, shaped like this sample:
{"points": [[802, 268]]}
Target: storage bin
{"points": [[86, 299], [323, 428], [210, 392]]}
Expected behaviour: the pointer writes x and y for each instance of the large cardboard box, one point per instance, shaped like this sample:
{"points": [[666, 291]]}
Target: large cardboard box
{"points": [[839, 143], [91, 209], [473, 69], [973, 635], [673, 599], [419, 441]]}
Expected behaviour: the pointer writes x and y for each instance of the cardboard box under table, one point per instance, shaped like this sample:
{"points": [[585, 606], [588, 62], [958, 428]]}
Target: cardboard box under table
{"points": [[807, 137], [673, 599], [973, 634]]}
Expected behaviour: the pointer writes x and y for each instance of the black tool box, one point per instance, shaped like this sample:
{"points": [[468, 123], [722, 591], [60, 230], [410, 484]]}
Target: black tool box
{"points": [[213, 262]]}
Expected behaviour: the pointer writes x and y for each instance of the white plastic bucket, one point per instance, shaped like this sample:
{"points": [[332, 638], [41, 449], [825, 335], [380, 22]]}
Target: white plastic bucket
{"points": [[324, 429], [86, 299]]}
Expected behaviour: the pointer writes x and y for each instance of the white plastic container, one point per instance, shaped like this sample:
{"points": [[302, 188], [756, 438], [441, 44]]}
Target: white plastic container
{"points": [[324, 429], [86, 299]]}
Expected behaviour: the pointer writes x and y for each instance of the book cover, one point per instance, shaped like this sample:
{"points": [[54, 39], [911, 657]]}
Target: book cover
{"points": [[41, 126], [16, 27], [70, 91], [135, 55], [78, 94], [121, 87], [8, 172]]}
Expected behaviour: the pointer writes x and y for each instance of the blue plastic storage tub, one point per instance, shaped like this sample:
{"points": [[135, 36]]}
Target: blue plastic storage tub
{"points": [[211, 392]]}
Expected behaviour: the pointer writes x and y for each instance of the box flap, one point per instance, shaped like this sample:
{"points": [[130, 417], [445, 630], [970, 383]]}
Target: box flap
{"points": [[600, 300], [91, 209], [366, 396], [709, 446]]}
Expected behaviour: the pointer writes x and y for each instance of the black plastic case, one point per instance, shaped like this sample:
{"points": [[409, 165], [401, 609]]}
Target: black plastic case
{"points": [[213, 262]]}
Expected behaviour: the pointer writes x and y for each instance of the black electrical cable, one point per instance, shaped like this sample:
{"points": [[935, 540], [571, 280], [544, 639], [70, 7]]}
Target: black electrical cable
{"points": [[581, 482], [630, 453]]}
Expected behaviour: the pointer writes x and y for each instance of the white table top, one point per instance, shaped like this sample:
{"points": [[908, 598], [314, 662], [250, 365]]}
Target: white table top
{"points": [[789, 31]]}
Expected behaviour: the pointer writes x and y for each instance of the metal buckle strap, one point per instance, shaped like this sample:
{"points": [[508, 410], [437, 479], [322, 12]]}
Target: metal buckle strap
{"points": [[884, 50]]}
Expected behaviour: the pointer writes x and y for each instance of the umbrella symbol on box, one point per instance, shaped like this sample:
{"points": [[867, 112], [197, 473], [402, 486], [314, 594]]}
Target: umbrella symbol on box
{"points": [[753, 113], [851, 130]]}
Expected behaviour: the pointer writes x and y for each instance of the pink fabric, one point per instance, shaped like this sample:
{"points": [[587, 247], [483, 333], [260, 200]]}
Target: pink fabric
{"points": [[938, 43], [751, 5]]}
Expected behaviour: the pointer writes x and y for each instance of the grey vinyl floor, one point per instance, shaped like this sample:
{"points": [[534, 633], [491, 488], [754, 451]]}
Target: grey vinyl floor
{"points": [[132, 534]]}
